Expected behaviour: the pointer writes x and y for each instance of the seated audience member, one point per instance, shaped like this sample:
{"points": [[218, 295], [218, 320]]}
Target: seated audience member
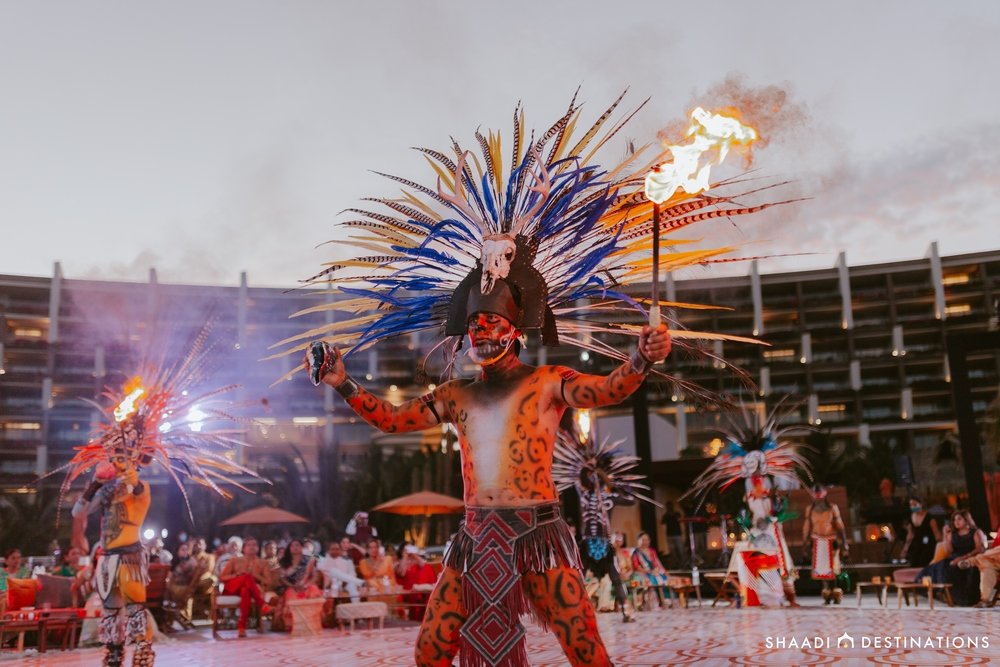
{"points": [[377, 569], [414, 574], [69, 565], [206, 577], [296, 576], [234, 547], [962, 540], [157, 554], [12, 568], [646, 564], [339, 573], [185, 572], [247, 575], [988, 564], [351, 550], [269, 552], [73, 566]]}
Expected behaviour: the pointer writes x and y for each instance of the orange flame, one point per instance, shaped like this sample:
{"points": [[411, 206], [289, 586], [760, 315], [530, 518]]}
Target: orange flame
{"points": [[708, 133], [133, 391]]}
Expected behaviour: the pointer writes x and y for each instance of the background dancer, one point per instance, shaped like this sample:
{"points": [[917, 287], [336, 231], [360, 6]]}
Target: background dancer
{"points": [[820, 533], [601, 474], [134, 434]]}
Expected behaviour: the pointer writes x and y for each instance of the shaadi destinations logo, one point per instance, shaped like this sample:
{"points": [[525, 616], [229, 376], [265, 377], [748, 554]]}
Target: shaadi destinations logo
{"points": [[847, 641]]}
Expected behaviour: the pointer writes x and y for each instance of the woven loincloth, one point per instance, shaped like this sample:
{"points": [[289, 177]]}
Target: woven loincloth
{"points": [[493, 548]]}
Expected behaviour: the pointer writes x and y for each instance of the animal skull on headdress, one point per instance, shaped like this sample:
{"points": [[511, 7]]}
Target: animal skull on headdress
{"points": [[497, 256], [754, 463]]}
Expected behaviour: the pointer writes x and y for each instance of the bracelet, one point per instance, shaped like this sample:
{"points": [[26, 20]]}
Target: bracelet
{"points": [[639, 363], [348, 387], [88, 495]]}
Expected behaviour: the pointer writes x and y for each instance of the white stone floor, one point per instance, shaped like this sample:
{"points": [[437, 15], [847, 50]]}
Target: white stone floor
{"points": [[707, 636]]}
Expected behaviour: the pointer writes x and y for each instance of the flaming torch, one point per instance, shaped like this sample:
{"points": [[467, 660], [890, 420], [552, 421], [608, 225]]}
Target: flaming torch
{"points": [[707, 133], [133, 391]]}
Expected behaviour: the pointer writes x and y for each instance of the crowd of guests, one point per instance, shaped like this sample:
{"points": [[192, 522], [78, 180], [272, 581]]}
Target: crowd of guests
{"points": [[956, 553], [264, 575], [268, 575]]}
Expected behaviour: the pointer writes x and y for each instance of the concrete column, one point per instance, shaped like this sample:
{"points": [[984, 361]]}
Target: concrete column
{"points": [[844, 279], [856, 375], [100, 370], [898, 348], [937, 280], [717, 351], [807, 353], [41, 459], [681, 424], [758, 300], [152, 301], [55, 300], [241, 312], [765, 381]]}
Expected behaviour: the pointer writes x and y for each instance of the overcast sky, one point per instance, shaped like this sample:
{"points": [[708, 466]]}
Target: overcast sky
{"points": [[207, 137]]}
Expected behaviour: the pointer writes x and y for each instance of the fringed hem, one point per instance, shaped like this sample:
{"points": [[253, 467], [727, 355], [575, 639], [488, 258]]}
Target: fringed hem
{"points": [[469, 657], [548, 546], [134, 567]]}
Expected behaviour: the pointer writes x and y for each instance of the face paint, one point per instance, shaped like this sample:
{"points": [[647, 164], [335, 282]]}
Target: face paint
{"points": [[492, 337]]}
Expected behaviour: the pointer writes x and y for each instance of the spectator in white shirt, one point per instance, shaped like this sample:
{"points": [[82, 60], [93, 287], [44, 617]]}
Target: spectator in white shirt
{"points": [[339, 572]]}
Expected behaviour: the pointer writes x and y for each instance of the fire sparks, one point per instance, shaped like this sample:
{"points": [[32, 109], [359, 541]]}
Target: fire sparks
{"points": [[133, 391], [708, 133]]}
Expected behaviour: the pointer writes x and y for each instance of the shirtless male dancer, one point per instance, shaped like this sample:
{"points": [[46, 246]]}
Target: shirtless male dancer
{"points": [[513, 554], [820, 532]]}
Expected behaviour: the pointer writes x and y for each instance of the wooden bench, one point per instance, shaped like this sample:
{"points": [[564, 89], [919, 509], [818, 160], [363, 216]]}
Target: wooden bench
{"points": [[683, 587], [725, 585], [880, 586]]}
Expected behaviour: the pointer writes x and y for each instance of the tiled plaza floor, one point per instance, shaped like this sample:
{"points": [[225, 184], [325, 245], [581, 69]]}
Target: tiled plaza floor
{"points": [[705, 636]]}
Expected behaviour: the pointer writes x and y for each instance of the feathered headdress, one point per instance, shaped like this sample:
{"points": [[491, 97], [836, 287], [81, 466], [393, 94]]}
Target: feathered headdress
{"points": [[165, 416], [599, 469], [601, 474], [754, 446], [564, 232]]}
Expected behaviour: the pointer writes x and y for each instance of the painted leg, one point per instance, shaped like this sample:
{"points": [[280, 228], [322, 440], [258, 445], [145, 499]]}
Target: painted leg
{"points": [[437, 642], [561, 603]]}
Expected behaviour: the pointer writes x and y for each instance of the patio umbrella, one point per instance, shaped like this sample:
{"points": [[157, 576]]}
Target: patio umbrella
{"points": [[263, 515], [422, 503]]}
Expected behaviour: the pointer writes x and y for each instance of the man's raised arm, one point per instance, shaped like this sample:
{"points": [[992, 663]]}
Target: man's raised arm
{"points": [[594, 391], [413, 415]]}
